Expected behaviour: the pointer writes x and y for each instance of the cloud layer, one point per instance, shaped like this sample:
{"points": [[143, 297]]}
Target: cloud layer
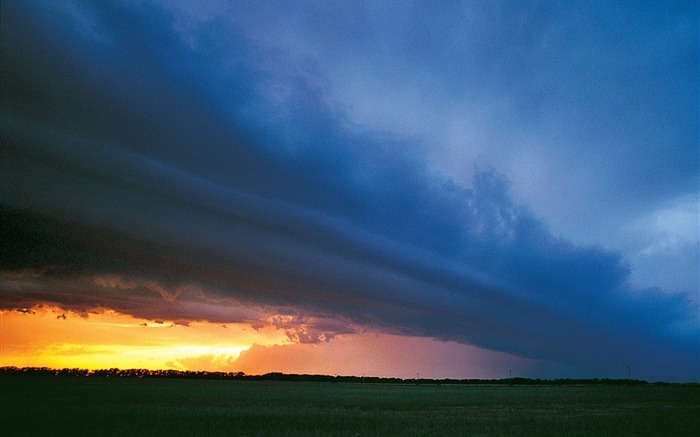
{"points": [[192, 168]]}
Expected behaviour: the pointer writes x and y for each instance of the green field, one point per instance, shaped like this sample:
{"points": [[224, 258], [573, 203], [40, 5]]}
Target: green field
{"points": [[151, 406]]}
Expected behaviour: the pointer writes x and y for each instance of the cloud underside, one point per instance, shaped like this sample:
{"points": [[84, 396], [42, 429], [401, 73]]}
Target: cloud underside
{"points": [[148, 193], [207, 252]]}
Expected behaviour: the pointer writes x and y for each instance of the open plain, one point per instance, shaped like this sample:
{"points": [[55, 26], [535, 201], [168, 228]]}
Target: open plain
{"points": [[41, 405]]}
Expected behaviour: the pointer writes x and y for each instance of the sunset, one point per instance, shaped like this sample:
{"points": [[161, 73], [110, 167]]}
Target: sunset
{"points": [[463, 190], [105, 339], [51, 337]]}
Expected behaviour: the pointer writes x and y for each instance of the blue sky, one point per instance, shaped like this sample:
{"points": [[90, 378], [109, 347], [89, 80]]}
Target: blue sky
{"points": [[518, 176]]}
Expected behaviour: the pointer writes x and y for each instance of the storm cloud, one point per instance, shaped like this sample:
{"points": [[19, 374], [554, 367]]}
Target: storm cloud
{"points": [[178, 166]]}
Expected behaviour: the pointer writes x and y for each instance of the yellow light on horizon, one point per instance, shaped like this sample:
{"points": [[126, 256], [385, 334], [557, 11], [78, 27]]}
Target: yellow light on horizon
{"points": [[50, 337]]}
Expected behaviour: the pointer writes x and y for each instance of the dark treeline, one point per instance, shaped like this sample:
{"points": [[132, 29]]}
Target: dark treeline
{"points": [[275, 376]]}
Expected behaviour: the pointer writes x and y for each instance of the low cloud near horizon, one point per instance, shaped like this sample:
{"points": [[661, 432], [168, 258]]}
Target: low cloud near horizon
{"points": [[184, 168]]}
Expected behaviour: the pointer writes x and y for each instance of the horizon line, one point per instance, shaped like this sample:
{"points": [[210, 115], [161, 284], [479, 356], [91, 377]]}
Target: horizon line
{"points": [[305, 377]]}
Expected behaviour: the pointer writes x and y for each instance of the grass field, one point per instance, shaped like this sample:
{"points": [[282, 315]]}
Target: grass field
{"points": [[132, 406]]}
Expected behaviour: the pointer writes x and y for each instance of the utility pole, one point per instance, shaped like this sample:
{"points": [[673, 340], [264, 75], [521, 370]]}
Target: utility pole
{"points": [[629, 372]]}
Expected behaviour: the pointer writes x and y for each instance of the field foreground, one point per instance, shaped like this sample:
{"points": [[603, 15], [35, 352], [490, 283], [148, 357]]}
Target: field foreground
{"points": [[40, 405]]}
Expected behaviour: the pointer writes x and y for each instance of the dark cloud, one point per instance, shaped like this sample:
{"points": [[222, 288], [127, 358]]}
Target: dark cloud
{"points": [[139, 174]]}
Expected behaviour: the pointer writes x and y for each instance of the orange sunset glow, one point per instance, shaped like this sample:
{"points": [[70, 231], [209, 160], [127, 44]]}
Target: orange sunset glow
{"points": [[48, 336]]}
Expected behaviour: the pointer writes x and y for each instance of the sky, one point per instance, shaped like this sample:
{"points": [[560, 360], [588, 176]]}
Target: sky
{"points": [[454, 190]]}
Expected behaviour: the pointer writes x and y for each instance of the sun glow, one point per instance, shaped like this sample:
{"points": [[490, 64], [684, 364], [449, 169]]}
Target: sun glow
{"points": [[47, 336], [50, 337]]}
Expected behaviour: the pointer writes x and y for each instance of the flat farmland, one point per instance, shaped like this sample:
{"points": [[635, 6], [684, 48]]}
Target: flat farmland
{"points": [[40, 405]]}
